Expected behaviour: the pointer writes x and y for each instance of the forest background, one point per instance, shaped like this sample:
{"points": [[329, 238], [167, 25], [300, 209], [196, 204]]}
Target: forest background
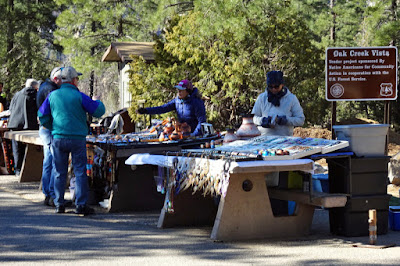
{"points": [[225, 47]]}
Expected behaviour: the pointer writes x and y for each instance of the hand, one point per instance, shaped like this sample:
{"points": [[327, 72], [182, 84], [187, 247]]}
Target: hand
{"points": [[266, 122], [281, 120], [141, 111], [95, 97]]}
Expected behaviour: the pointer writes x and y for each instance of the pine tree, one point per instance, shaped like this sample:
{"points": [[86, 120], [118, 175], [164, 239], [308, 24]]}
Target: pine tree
{"points": [[26, 41], [86, 29], [227, 48]]}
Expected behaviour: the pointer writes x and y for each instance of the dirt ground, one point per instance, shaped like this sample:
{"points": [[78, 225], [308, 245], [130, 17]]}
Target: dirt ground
{"points": [[393, 146]]}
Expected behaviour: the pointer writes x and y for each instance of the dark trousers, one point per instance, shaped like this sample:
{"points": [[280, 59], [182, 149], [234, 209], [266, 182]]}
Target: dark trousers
{"points": [[19, 154], [280, 207]]}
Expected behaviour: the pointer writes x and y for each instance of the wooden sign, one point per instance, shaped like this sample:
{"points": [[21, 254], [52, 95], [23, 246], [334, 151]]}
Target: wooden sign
{"points": [[361, 73]]}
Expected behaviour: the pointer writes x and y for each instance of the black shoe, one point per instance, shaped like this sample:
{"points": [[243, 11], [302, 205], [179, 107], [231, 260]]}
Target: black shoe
{"points": [[46, 200], [49, 201], [84, 210], [60, 209], [68, 203]]}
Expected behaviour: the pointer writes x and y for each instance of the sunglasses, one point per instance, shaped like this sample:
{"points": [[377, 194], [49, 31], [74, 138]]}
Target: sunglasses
{"points": [[273, 86]]}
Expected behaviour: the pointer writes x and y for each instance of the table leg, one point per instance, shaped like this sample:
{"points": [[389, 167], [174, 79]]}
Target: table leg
{"points": [[190, 210], [32, 165], [248, 215], [136, 189], [6, 167]]}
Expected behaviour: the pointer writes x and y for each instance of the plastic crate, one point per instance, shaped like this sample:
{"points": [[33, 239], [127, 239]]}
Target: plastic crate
{"points": [[364, 139], [347, 223], [358, 176], [394, 218], [365, 203], [321, 182], [352, 220]]}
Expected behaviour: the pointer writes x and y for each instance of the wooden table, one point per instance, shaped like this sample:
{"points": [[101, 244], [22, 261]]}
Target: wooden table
{"points": [[245, 212], [5, 162], [128, 193], [32, 165], [134, 188]]}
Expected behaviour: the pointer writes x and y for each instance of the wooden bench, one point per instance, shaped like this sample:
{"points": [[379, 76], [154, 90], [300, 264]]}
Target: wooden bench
{"points": [[32, 165], [319, 199]]}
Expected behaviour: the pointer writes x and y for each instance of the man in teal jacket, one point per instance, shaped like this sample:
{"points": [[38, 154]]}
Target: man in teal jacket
{"points": [[64, 112]]}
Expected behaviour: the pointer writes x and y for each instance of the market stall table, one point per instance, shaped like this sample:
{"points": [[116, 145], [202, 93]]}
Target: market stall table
{"points": [[31, 169], [134, 188], [236, 173], [244, 210], [127, 193]]}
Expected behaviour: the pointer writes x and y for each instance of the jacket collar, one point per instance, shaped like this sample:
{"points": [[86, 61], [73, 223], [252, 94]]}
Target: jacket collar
{"points": [[69, 85]]}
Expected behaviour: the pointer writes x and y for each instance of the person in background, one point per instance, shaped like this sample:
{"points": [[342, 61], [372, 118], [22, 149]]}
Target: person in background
{"points": [[3, 100], [277, 111], [64, 112], [23, 111], [45, 135], [188, 105]]}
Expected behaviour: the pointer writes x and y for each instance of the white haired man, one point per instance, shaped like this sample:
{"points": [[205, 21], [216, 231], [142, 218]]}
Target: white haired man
{"points": [[23, 111]]}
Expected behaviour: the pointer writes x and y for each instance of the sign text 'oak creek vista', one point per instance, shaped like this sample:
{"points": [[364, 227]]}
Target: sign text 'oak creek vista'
{"points": [[361, 73]]}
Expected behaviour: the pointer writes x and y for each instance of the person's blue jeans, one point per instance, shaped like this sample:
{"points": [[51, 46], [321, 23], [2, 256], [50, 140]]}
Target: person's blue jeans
{"points": [[61, 149], [48, 168]]}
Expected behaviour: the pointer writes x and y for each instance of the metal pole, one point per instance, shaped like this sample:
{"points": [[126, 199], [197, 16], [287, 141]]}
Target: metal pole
{"points": [[333, 119], [333, 38]]}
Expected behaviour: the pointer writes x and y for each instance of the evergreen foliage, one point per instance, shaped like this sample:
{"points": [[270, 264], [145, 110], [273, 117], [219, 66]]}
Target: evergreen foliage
{"points": [[225, 47], [86, 29], [26, 42]]}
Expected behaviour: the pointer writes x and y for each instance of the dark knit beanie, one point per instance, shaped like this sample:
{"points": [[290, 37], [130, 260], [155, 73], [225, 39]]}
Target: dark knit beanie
{"points": [[274, 78]]}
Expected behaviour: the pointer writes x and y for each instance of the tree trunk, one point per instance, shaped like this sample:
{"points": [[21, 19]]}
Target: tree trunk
{"points": [[10, 36], [393, 9], [333, 28]]}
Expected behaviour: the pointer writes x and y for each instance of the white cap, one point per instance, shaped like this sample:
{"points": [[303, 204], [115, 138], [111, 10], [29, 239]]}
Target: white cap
{"points": [[68, 73], [55, 73], [31, 83]]}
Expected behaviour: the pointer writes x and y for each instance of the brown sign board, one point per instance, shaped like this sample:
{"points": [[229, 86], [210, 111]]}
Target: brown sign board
{"points": [[361, 73]]}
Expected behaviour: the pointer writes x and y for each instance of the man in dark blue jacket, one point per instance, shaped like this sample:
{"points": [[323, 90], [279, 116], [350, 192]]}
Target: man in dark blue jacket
{"points": [[45, 135], [188, 106]]}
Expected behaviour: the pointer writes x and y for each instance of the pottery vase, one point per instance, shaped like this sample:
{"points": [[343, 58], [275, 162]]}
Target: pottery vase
{"points": [[230, 136], [248, 129], [186, 130], [168, 128], [177, 133]]}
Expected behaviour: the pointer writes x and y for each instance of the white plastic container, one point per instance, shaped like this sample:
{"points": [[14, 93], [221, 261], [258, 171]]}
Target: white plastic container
{"points": [[364, 139]]}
